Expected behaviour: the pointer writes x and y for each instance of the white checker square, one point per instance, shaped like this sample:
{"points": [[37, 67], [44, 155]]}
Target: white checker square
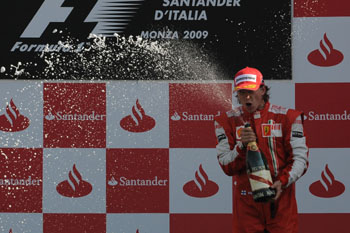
{"points": [[74, 181], [137, 115], [197, 182]]}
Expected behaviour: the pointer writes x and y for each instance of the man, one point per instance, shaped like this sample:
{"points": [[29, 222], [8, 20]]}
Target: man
{"points": [[280, 136]]}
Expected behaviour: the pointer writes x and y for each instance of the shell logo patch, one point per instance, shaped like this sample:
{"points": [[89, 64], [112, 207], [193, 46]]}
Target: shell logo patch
{"points": [[238, 132]]}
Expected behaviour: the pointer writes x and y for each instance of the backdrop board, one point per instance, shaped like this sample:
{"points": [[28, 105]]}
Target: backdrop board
{"points": [[107, 108], [226, 35], [321, 81]]}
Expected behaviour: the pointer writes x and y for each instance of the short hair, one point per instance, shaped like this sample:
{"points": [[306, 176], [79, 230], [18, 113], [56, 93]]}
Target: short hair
{"points": [[266, 96]]}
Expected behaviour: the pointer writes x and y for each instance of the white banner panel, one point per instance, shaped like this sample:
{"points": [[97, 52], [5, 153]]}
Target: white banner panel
{"points": [[21, 114], [282, 93], [74, 181], [20, 222], [197, 183], [325, 186], [139, 223], [137, 115], [321, 49]]}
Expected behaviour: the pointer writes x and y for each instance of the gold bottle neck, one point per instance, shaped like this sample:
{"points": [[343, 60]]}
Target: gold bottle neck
{"points": [[252, 146]]}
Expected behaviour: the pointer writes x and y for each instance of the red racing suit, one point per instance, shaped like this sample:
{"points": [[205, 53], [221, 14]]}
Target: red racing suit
{"points": [[280, 137]]}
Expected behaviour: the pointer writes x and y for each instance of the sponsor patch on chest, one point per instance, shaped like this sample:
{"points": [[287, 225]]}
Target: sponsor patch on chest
{"points": [[238, 132], [271, 130]]}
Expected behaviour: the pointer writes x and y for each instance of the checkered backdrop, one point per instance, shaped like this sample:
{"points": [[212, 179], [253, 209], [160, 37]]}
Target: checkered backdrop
{"points": [[140, 156]]}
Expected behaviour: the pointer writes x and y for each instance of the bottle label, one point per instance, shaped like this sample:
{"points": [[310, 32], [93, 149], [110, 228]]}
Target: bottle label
{"points": [[260, 179]]}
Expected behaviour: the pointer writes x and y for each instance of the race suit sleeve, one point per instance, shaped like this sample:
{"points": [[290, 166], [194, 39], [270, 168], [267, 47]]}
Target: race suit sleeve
{"points": [[230, 154], [296, 146]]}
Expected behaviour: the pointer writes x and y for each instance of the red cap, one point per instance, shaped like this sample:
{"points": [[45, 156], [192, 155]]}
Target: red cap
{"points": [[248, 79]]}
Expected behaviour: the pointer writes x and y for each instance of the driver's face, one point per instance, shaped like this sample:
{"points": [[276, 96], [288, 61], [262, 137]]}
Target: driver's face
{"points": [[252, 100]]}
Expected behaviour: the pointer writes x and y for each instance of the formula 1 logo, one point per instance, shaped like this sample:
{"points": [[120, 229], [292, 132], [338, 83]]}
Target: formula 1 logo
{"points": [[50, 11], [112, 16]]}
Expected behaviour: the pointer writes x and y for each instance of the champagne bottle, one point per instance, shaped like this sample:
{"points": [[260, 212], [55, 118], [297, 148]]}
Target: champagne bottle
{"points": [[259, 173]]}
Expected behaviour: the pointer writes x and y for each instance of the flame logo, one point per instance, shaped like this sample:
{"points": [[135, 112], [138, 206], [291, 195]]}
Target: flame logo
{"points": [[175, 117], [75, 186], [137, 231], [326, 55], [327, 187], [10, 230], [201, 186], [12, 120], [137, 122], [3, 154], [49, 117], [112, 182]]}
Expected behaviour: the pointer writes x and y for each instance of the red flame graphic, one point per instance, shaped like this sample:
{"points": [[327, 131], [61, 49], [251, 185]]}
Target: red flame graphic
{"points": [[137, 231], [331, 56], [330, 188], [139, 122], [79, 188], [10, 230], [12, 120], [204, 188]]}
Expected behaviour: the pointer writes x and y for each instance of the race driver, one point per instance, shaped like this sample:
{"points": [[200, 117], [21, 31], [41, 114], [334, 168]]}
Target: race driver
{"points": [[280, 135]]}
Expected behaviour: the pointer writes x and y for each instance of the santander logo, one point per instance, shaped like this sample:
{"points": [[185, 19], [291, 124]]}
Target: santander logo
{"points": [[326, 55], [59, 116], [124, 181], [175, 117], [75, 186], [186, 116], [12, 120], [201, 186], [138, 122], [112, 182], [327, 187]]}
